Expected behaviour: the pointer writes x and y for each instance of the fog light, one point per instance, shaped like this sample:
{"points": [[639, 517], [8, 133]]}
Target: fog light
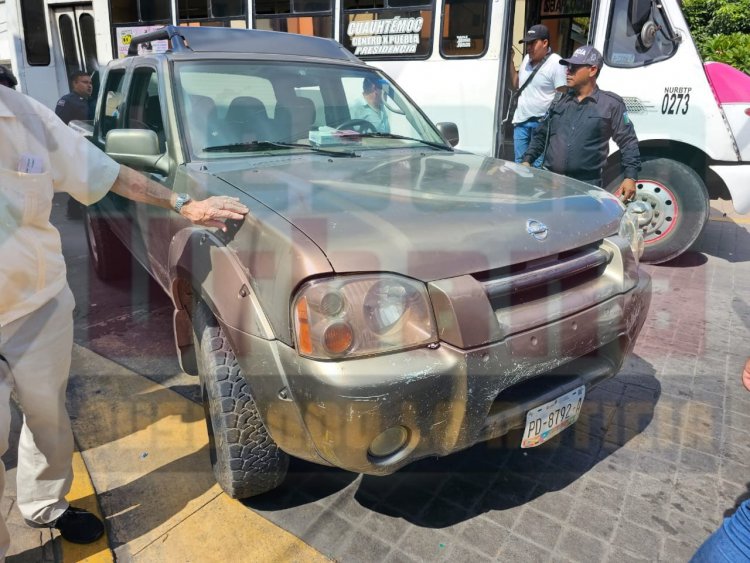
{"points": [[389, 442]]}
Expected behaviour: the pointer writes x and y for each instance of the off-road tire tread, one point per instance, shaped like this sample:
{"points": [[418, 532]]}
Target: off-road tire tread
{"points": [[246, 461]]}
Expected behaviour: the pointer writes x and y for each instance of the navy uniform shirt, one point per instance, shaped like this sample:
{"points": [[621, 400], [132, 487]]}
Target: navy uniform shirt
{"points": [[72, 106], [579, 134]]}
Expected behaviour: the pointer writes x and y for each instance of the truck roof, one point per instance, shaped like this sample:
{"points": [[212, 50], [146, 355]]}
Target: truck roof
{"points": [[227, 40]]}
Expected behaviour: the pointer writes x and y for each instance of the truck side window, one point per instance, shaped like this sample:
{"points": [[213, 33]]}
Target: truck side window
{"points": [[637, 37], [143, 109], [113, 97]]}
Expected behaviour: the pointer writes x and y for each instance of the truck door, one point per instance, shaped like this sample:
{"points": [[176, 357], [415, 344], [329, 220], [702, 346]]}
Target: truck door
{"points": [[74, 41]]}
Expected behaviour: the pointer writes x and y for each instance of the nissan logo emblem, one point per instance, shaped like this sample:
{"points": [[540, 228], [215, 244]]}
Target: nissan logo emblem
{"points": [[537, 229]]}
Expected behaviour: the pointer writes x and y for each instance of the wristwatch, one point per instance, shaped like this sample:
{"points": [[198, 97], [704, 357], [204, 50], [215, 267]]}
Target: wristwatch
{"points": [[181, 200]]}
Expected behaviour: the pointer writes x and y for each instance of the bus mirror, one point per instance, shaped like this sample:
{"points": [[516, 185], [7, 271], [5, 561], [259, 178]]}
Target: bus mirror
{"points": [[639, 13], [449, 131]]}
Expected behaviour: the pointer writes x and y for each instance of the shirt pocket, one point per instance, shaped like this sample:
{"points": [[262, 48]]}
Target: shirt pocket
{"points": [[26, 199], [599, 126]]}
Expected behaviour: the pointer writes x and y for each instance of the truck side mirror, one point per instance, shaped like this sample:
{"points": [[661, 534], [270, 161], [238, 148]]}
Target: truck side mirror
{"points": [[449, 131], [137, 148]]}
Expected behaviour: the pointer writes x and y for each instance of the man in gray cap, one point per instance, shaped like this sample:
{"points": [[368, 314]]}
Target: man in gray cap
{"points": [[574, 137], [539, 77]]}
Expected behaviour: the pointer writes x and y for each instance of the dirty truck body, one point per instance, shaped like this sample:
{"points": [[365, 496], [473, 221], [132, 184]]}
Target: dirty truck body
{"points": [[387, 298]]}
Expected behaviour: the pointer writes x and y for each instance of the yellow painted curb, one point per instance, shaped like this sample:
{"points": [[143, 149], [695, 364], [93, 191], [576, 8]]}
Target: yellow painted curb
{"points": [[146, 450], [82, 495]]}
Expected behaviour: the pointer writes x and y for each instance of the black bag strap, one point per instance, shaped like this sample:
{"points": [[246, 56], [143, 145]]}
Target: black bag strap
{"points": [[533, 73], [517, 94]]}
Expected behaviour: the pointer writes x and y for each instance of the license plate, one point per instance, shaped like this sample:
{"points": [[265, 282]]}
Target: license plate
{"points": [[542, 423]]}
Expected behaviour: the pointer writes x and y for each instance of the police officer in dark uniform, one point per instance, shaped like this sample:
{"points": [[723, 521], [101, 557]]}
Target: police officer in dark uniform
{"points": [[574, 137], [75, 105]]}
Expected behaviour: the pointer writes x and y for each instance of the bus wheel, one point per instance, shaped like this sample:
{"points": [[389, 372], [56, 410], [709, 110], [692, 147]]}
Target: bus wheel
{"points": [[678, 205], [245, 459]]}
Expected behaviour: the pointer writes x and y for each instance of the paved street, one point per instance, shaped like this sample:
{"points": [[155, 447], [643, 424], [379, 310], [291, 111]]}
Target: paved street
{"points": [[659, 456]]}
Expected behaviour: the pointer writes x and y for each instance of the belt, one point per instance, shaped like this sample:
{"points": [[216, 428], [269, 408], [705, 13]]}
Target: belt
{"points": [[534, 119]]}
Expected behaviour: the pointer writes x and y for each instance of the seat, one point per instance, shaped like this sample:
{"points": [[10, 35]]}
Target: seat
{"points": [[246, 120], [202, 121], [295, 118]]}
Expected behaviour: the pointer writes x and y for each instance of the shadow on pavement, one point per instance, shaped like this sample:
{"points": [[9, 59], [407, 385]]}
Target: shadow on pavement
{"points": [[497, 475], [490, 476]]}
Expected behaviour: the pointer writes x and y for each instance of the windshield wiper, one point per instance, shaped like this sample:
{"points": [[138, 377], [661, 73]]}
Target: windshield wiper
{"points": [[404, 138], [266, 145]]}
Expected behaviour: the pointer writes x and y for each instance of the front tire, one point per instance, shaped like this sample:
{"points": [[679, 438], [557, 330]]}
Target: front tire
{"points": [[245, 460], [678, 207]]}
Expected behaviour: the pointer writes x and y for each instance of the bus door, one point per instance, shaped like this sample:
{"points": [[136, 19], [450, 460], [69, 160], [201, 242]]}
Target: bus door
{"points": [[74, 41], [570, 24]]}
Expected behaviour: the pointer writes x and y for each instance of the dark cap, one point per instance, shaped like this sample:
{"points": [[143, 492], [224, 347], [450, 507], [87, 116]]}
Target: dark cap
{"points": [[586, 55], [7, 78], [535, 32]]}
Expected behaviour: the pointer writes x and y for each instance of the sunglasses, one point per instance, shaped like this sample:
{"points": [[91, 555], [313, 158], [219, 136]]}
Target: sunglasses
{"points": [[572, 69]]}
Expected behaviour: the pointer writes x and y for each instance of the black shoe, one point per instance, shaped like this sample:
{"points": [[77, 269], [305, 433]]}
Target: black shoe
{"points": [[78, 525]]}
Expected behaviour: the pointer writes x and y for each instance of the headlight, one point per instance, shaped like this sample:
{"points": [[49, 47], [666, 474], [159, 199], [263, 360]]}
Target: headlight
{"points": [[630, 231], [352, 316]]}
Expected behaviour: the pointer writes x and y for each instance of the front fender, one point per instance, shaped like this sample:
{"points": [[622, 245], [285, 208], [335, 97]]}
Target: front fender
{"points": [[198, 258]]}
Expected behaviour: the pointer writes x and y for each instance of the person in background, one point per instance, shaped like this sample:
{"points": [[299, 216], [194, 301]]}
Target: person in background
{"points": [[731, 542], [39, 156], [76, 105], [371, 107], [574, 137], [540, 87]]}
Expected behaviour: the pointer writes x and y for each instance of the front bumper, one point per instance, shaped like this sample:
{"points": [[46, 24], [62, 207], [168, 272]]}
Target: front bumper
{"points": [[447, 398]]}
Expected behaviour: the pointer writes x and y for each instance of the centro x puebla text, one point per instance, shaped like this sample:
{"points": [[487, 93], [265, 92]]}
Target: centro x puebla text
{"points": [[385, 37]]}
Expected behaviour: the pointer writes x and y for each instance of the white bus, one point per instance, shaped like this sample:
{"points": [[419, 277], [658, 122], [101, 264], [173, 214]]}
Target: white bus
{"points": [[451, 57]]}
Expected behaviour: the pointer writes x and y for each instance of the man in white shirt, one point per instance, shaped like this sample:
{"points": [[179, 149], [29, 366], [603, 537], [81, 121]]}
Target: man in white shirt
{"points": [[41, 156], [539, 93], [371, 107]]}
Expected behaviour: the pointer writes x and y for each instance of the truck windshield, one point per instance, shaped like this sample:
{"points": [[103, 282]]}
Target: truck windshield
{"points": [[291, 107]]}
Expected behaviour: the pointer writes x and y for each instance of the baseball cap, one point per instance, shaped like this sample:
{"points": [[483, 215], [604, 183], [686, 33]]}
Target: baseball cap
{"points": [[535, 32], [586, 55], [7, 78]]}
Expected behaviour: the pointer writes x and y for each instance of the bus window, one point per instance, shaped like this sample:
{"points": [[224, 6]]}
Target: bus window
{"points": [[304, 17], [635, 43], [391, 32], [34, 16], [88, 41], [465, 28], [136, 11], [217, 13]]}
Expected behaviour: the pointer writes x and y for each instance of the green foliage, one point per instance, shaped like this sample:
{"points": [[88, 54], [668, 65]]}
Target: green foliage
{"points": [[732, 49], [731, 18], [720, 29]]}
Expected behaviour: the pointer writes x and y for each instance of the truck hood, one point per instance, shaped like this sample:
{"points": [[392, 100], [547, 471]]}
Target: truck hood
{"points": [[428, 215]]}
